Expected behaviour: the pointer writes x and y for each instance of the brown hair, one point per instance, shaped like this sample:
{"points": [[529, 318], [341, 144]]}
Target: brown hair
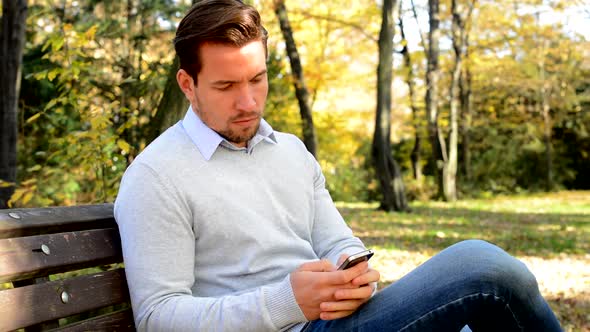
{"points": [[229, 22]]}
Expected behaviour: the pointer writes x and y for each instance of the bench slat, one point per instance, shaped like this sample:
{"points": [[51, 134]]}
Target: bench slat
{"points": [[23, 258], [121, 320], [34, 221], [34, 304]]}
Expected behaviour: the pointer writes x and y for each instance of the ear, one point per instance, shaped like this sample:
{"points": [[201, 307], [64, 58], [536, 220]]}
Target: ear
{"points": [[186, 84]]}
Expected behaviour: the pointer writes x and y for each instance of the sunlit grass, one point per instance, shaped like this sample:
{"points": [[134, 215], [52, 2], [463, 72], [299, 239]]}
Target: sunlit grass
{"points": [[542, 225], [564, 202], [549, 232]]}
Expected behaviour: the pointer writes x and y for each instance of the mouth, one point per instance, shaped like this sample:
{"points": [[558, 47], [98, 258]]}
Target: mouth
{"points": [[247, 121]]}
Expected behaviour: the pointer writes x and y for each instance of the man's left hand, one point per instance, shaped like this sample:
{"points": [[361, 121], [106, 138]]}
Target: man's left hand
{"points": [[352, 295]]}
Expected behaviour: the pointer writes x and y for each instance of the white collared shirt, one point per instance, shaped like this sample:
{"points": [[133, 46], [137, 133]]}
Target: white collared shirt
{"points": [[207, 140]]}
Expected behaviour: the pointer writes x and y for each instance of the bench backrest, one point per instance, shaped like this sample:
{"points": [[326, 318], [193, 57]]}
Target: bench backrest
{"points": [[61, 267]]}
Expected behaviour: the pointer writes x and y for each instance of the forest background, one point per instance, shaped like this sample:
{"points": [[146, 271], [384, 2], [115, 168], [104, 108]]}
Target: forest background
{"points": [[94, 93], [513, 115]]}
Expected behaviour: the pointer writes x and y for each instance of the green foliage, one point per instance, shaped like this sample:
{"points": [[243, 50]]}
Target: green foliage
{"points": [[81, 159], [513, 77], [282, 110], [420, 190], [343, 153], [344, 158], [94, 72]]}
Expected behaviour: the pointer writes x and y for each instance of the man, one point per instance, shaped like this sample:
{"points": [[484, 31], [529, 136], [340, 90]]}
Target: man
{"points": [[226, 225]]}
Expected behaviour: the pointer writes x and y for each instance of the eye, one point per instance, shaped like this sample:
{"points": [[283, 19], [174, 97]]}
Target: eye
{"points": [[224, 87], [261, 76]]}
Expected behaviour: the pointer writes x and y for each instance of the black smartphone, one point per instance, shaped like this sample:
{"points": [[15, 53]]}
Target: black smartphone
{"points": [[353, 260]]}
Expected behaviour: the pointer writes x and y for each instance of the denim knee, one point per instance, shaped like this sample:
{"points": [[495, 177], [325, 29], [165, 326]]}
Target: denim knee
{"points": [[492, 265]]}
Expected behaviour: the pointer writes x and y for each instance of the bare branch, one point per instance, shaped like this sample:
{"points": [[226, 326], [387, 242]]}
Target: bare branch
{"points": [[355, 26], [422, 36]]}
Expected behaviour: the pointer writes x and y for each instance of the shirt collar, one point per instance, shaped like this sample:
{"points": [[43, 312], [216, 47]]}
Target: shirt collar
{"points": [[207, 140]]}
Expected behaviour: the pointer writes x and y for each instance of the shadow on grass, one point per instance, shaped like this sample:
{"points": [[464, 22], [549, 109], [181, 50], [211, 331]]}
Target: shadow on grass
{"points": [[435, 228]]}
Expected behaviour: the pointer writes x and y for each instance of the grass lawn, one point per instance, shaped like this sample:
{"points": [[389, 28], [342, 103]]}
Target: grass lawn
{"points": [[549, 232]]}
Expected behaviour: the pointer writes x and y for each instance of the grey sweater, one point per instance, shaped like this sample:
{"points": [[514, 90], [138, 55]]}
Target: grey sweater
{"points": [[209, 244]]}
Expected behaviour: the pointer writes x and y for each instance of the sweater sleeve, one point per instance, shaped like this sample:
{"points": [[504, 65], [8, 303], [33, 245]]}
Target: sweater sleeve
{"points": [[158, 241], [331, 236]]}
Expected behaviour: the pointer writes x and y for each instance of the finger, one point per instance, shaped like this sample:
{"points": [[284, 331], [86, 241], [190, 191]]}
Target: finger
{"points": [[341, 277], [335, 315], [346, 305], [356, 270], [366, 278], [361, 293], [323, 265], [342, 258]]}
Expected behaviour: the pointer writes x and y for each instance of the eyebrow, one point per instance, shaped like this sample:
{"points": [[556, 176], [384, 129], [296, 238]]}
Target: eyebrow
{"points": [[223, 82]]}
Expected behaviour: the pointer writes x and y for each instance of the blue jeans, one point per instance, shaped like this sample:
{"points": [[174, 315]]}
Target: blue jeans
{"points": [[471, 283]]}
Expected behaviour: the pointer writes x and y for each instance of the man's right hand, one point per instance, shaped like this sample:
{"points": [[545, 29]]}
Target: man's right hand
{"points": [[316, 282]]}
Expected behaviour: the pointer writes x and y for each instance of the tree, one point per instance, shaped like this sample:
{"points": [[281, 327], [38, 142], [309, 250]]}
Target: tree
{"points": [[301, 92], [388, 171], [437, 141], [465, 92], [459, 37], [410, 76], [95, 71], [137, 27], [12, 40], [172, 104], [544, 94]]}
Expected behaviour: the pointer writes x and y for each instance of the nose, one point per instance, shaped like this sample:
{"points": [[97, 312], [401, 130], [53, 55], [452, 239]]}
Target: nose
{"points": [[245, 100]]}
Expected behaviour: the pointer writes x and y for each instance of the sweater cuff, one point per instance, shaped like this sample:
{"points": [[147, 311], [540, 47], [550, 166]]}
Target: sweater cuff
{"points": [[282, 306]]}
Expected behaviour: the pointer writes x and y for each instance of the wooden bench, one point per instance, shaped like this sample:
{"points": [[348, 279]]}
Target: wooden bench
{"points": [[61, 269]]}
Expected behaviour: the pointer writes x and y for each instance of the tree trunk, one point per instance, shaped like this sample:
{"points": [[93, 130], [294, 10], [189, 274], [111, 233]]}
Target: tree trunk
{"points": [[127, 73], [420, 33], [415, 155], [388, 171], [12, 41], [171, 107], [547, 133], [466, 115], [301, 92], [461, 48], [547, 123], [450, 175], [432, 76]]}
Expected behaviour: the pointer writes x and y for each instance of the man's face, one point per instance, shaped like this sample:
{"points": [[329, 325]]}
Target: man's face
{"points": [[231, 89]]}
